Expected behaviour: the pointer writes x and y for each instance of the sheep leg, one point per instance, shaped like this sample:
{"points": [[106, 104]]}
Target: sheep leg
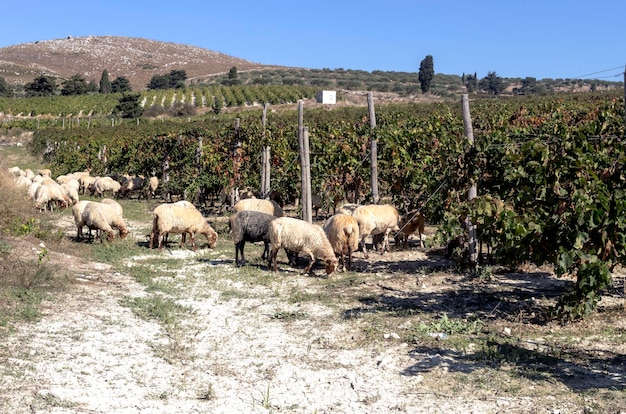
{"points": [[193, 241], [271, 261], [310, 265], [239, 248]]}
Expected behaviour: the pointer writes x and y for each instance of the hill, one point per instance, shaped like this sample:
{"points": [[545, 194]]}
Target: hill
{"points": [[135, 58]]}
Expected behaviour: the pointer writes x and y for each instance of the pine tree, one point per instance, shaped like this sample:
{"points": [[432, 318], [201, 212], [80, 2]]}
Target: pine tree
{"points": [[105, 84]]}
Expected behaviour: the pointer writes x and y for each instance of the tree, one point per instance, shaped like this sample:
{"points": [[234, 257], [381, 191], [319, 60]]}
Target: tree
{"points": [[120, 84], [129, 106], [426, 73], [5, 89], [76, 85], [159, 82], [492, 83], [41, 86], [105, 83], [232, 74], [175, 79]]}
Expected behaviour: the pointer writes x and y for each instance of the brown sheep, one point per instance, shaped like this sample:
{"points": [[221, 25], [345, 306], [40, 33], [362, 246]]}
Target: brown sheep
{"points": [[343, 234]]}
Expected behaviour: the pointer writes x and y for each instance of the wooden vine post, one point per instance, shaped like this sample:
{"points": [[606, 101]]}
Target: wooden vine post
{"points": [[472, 192], [305, 165], [237, 157], [265, 159], [374, 148]]}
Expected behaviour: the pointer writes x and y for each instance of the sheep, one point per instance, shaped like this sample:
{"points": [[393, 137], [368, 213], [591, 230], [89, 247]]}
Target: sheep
{"points": [[70, 191], [130, 185], [343, 234], [49, 193], [32, 190], [45, 172], [152, 187], [86, 183], [171, 218], [103, 184], [410, 223], [300, 236], [347, 208], [258, 204], [376, 219], [105, 217], [251, 226], [22, 181], [16, 171], [77, 212]]}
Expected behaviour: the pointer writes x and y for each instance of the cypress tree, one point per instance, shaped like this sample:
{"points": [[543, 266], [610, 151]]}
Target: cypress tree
{"points": [[105, 84]]}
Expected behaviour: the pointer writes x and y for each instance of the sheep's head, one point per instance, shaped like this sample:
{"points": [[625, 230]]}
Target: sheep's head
{"points": [[123, 233], [331, 265], [211, 237]]}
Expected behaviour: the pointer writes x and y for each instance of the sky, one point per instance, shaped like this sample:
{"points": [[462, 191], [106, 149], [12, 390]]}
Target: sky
{"points": [[515, 39]]}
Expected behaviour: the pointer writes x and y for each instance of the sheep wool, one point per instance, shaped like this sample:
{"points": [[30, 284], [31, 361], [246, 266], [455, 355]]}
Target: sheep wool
{"points": [[376, 219], [104, 217], [249, 226], [177, 219], [259, 204], [342, 231], [300, 236]]}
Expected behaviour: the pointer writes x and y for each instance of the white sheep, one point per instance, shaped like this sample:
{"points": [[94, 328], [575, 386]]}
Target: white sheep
{"points": [[172, 218], [50, 193], [376, 219], [259, 204], [70, 191], [342, 231], [153, 186], [22, 181], [300, 236], [86, 183], [77, 212], [105, 184], [32, 190], [105, 217]]}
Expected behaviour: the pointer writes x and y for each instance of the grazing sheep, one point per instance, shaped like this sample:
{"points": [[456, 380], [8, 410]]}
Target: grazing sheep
{"points": [[22, 181], [258, 204], [48, 194], [172, 218], [105, 217], [86, 183], [376, 219], [77, 212], [32, 190], [410, 223], [45, 172], [300, 236], [343, 234], [132, 185], [103, 184], [251, 226], [70, 191]]}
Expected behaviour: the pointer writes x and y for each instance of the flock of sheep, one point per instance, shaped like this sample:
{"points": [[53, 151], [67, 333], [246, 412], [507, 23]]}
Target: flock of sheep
{"points": [[252, 220]]}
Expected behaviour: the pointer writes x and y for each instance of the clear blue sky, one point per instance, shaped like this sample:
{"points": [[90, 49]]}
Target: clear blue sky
{"points": [[536, 38]]}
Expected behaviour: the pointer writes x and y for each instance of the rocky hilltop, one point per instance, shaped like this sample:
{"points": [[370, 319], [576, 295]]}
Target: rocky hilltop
{"points": [[136, 59]]}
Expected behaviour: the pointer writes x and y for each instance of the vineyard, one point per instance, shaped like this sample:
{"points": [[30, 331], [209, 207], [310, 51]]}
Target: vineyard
{"points": [[549, 170], [100, 106]]}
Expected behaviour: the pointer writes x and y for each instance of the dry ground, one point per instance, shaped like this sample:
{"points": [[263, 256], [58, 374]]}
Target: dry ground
{"points": [[255, 342]]}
